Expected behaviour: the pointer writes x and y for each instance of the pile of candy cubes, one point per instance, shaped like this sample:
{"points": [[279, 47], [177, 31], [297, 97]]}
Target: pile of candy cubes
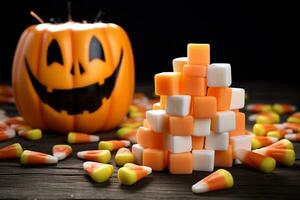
{"points": [[197, 124]]}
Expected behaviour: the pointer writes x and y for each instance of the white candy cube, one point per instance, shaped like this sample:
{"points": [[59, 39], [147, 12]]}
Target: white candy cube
{"points": [[223, 122], [178, 64], [178, 144], [217, 141], [178, 105], [237, 98], [241, 142], [137, 151], [203, 160], [201, 127], [219, 75], [158, 120]]}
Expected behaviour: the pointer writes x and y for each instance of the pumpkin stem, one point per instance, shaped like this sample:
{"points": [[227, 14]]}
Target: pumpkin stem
{"points": [[99, 14], [33, 14], [69, 11]]}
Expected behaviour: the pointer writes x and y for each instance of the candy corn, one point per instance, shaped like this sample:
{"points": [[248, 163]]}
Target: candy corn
{"points": [[293, 137], [36, 158], [281, 144], [61, 151], [294, 126], [11, 151], [76, 138], [283, 108], [256, 161], [124, 156], [99, 172], [218, 180], [102, 156], [15, 120], [279, 134], [282, 156], [131, 173], [33, 134], [20, 127], [294, 118], [265, 118], [112, 145], [127, 133], [259, 107], [262, 141], [262, 129], [7, 134]]}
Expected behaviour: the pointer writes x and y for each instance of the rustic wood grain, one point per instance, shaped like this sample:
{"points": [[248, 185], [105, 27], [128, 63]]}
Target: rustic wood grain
{"points": [[67, 180]]}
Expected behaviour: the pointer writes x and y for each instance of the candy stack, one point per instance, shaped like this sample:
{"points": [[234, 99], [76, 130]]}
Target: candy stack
{"points": [[197, 124]]}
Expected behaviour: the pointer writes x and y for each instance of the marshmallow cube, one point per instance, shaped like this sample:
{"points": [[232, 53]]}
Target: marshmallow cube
{"points": [[217, 141], [201, 127], [223, 122], [178, 105], [178, 64], [219, 75], [240, 142], [178, 144], [203, 160], [237, 98], [137, 151], [158, 120]]}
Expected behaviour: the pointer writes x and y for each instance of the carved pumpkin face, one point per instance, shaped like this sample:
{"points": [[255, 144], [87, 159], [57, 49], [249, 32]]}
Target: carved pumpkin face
{"points": [[73, 76]]}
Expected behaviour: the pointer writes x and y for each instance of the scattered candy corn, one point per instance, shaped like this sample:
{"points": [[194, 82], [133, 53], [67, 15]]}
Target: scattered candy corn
{"points": [[36, 158], [131, 173], [293, 137], [11, 151], [294, 118], [294, 126], [112, 145], [283, 108], [99, 172], [282, 156], [262, 129], [255, 160], [61, 151], [127, 133], [7, 134], [262, 141], [33, 134], [280, 133], [265, 118], [102, 156], [20, 127], [15, 120], [281, 144], [259, 107], [218, 180], [77, 138], [124, 156]]}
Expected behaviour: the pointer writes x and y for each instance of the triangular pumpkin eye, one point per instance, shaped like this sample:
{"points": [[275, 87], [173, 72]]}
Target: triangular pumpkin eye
{"points": [[96, 49], [54, 53]]}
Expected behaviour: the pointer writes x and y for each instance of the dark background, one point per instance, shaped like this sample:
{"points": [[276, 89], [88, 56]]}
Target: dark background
{"points": [[259, 40]]}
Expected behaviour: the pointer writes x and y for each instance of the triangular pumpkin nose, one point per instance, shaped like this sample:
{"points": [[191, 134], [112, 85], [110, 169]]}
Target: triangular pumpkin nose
{"points": [[81, 69]]}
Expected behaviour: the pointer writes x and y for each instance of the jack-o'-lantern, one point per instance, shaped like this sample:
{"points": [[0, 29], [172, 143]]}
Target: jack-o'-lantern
{"points": [[73, 76]]}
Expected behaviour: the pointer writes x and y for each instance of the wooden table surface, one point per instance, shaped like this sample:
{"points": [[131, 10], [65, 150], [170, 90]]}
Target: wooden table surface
{"points": [[67, 180]]}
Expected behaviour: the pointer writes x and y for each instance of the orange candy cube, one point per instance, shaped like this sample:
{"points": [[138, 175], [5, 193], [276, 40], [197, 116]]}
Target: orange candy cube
{"points": [[224, 158], [204, 107], [195, 70], [195, 86], [223, 96], [198, 142], [181, 125], [198, 54], [157, 159], [167, 83], [181, 163], [240, 121], [149, 139]]}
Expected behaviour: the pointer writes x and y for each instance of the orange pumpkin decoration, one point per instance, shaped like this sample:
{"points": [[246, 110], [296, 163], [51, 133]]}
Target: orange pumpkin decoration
{"points": [[73, 76]]}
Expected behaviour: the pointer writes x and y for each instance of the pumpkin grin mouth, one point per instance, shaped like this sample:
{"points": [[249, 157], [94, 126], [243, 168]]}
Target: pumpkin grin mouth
{"points": [[77, 100]]}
